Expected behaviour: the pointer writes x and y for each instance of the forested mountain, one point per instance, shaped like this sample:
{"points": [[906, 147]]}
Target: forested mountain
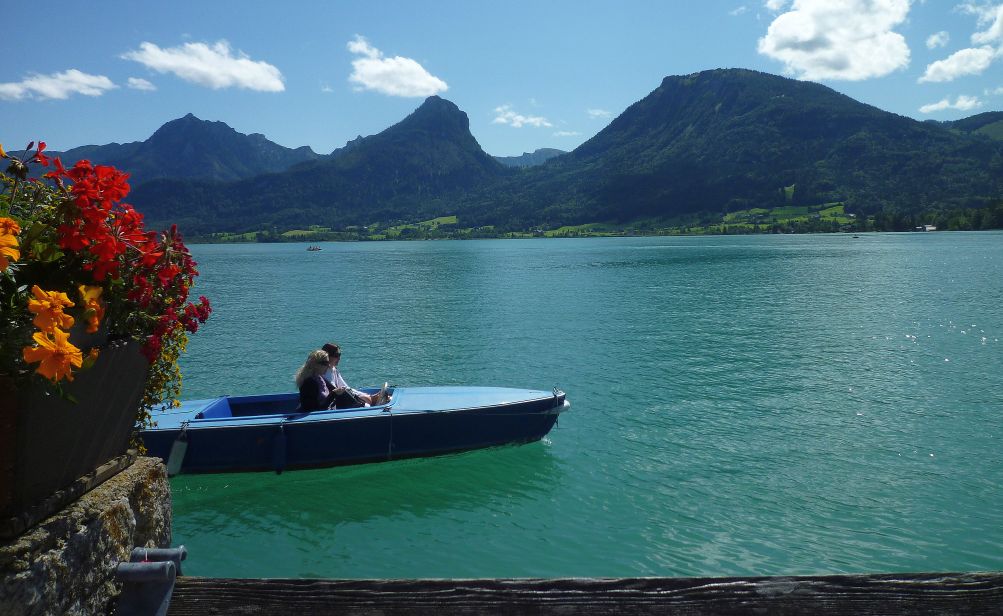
{"points": [[727, 140], [530, 159], [190, 148], [699, 146], [989, 124], [416, 168]]}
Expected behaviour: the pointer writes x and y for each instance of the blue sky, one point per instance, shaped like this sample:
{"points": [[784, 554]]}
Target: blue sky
{"points": [[529, 74]]}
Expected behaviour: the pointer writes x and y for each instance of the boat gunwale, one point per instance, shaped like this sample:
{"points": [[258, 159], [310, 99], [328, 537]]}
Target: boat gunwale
{"points": [[334, 415]]}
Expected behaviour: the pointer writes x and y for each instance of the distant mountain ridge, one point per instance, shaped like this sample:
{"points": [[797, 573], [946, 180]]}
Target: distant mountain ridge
{"points": [[989, 124], [530, 159], [697, 147], [411, 169], [732, 139], [190, 148]]}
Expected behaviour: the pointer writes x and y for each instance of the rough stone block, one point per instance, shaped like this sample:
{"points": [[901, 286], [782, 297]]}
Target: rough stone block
{"points": [[66, 564]]}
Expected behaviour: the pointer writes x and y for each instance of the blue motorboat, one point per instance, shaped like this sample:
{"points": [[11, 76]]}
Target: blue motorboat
{"points": [[267, 432]]}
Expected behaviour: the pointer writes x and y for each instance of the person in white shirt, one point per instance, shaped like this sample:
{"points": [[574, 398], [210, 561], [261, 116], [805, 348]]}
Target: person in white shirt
{"points": [[337, 382]]}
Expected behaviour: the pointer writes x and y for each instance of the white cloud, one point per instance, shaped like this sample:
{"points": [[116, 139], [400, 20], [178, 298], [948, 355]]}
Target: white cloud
{"points": [[567, 133], [505, 115], [962, 103], [215, 67], [838, 39], [775, 5], [939, 39], [57, 86], [326, 89], [738, 11], [989, 16], [596, 114], [141, 84], [995, 92], [396, 76], [971, 61]]}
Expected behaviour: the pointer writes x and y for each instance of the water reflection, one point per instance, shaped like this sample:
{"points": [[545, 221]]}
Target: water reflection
{"points": [[317, 501]]}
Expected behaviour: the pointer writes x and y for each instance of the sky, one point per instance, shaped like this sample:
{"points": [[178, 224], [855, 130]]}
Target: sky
{"points": [[528, 74]]}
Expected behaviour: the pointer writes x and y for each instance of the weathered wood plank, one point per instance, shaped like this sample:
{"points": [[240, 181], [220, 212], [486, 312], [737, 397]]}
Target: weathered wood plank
{"points": [[920, 593]]}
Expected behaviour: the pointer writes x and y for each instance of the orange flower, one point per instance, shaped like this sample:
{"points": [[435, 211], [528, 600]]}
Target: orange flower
{"points": [[56, 357], [93, 306], [8, 242], [48, 308], [8, 252], [9, 226]]}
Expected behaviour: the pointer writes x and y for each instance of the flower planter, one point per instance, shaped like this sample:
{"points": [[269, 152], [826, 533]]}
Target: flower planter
{"points": [[53, 450]]}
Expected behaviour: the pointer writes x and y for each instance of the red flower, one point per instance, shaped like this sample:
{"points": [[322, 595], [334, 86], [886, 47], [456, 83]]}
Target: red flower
{"points": [[39, 157], [141, 291], [167, 273], [151, 349], [58, 172], [71, 238]]}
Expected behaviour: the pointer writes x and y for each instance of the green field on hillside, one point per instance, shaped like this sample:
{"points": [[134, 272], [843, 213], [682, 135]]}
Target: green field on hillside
{"points": [[789, 218]]}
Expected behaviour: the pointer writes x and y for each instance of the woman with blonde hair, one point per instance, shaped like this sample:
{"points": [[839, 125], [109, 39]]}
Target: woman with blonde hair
{"points": [[314, 391]]}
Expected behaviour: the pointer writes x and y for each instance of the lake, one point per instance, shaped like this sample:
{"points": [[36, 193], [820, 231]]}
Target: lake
{"points": [[742, 405]]}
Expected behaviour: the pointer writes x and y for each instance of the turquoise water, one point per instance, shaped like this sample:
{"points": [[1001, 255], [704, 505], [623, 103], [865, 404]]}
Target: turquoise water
{"points": [[741, 406]]}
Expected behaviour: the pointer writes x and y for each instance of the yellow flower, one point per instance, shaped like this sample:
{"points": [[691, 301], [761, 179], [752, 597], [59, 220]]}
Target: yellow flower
{"points": [[93, 306], [2, 153], [56, 357], [48, 308]]}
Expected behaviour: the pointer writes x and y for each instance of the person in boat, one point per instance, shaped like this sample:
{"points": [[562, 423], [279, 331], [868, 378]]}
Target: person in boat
{"points": [[345, 396], [316, 392]]}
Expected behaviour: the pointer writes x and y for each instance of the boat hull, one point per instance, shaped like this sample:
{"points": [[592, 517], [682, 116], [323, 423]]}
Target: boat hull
{"points": [[258, 433]]}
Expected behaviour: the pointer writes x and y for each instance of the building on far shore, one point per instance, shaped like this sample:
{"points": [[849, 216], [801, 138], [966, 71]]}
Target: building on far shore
{"points": [[925, 228]]}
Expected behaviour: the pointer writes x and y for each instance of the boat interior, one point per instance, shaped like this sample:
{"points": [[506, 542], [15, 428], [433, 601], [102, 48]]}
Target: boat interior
{"points": [[250, 406]]}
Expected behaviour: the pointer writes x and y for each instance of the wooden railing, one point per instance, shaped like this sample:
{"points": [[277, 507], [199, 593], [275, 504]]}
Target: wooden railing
{"points": [[914, 593]]}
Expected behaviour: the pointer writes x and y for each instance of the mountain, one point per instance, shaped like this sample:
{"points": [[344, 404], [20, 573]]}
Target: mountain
{"points": [[989, 124], [699, 146], [732, 139], [190, 148], [530, 159], [410, 169]]}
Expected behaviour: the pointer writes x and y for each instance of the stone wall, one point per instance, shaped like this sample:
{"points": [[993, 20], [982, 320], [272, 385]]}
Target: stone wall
{"points": [[66, 564]]}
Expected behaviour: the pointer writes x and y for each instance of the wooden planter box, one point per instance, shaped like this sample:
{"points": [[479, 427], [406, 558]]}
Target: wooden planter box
{"points": [[52, 450]]}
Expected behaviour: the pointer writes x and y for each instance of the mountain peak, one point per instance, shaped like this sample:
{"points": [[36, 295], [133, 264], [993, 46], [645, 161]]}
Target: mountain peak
{"points": [[439, 117], [440, 107]]}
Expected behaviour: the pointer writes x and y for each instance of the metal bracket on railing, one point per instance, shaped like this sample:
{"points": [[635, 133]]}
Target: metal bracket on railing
{"points": [[148, 580]]}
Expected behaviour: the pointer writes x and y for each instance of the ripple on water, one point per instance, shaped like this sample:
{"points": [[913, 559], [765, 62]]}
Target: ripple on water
{"points": [[741, 406]]}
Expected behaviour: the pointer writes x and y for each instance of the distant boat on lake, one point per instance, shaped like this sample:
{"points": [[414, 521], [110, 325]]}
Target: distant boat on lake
{"points": [[313, 248]]}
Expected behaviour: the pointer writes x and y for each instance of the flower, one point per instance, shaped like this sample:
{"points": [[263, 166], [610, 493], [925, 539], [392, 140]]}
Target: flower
{"points": [[93, 307], [9, 226], [55, 355], [9, 230], [71, 231], [48, 308]]}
